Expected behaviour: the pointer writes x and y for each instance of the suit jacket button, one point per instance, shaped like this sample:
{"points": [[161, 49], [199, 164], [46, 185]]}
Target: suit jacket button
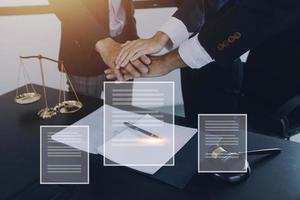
{"points": [[237, 35], [220, 47], [231, 39], [225, 43]]}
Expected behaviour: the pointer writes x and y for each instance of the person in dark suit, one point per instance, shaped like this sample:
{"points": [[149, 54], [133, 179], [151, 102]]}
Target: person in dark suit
{"points": [[213, 82], [113, 19], [269, 29]]}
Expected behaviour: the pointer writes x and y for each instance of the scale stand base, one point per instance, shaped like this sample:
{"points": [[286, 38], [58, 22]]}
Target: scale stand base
{"points": [[46, 113]]}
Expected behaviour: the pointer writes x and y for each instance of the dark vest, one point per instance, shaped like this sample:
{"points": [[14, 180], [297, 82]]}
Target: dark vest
{"points": [[77, 44]]}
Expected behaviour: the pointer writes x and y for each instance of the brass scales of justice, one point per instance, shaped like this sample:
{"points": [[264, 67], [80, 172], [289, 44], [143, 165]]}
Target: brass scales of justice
{"points": [[30, 94]]}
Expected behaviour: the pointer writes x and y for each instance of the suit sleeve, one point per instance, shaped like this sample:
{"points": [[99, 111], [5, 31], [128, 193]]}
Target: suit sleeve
{"points": [[192, 14], [187, 19], [244, 24]]}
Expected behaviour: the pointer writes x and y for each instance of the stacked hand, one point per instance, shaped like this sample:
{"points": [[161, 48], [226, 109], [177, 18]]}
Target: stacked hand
{"points": [[131, 60], [133, 50], [109, 50], [156, 69]]}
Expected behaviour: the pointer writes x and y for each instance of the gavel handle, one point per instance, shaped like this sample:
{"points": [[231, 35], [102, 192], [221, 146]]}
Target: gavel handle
{"points": [[263, 151]]}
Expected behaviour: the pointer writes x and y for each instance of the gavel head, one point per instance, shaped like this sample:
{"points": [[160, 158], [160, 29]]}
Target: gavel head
{"points": [[224, 160]]}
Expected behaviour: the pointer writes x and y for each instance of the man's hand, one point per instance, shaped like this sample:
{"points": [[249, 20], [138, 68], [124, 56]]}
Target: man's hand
{"points": [[134, 50], [160, 66], [109, 50]]}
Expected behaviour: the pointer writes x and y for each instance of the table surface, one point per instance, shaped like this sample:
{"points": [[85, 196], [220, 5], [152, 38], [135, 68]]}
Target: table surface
{"points": [[273, 177]]}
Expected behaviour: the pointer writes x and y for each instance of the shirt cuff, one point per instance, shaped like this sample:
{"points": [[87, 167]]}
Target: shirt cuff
{"points": [[193, 54], [176, 30]]}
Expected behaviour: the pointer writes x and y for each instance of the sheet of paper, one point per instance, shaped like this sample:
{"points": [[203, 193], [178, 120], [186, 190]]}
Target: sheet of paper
{"points": [[95, 123], [131, 145]]}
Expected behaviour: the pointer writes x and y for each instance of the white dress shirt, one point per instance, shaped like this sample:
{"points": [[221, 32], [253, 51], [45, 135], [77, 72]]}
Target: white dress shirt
{"points": [[117, 17], [190, 50]]}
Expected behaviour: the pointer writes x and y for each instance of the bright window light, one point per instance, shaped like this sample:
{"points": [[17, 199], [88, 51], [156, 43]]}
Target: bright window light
{"points": [[4, 3]]}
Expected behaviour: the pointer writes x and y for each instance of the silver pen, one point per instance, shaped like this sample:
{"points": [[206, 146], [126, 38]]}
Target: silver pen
{"points": [[129, 125]]}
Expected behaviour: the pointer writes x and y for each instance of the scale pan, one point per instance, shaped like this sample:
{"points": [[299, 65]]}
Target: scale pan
{"points": [[71, 106], [27, 98]]}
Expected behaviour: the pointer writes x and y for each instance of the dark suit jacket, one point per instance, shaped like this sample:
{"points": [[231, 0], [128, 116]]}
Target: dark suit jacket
{"points": [[213, 88], [269, 28], [195, 13], [84, 22]]}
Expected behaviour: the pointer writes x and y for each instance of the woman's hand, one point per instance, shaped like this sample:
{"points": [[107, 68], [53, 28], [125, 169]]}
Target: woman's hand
{"points": [[109, 49], [134, 50]]}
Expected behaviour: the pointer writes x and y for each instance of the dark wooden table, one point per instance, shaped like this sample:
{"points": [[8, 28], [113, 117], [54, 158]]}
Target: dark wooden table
{"points": [[273, 177]]}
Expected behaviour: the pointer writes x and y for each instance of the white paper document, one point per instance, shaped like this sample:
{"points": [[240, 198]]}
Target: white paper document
{"points": [[131, 146], [95, 123], [123, 136]]}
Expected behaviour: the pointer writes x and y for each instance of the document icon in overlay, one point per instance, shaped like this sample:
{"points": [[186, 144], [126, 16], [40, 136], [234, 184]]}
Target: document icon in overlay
{"points": [[61, 163], [222, 143], [136, 133]]}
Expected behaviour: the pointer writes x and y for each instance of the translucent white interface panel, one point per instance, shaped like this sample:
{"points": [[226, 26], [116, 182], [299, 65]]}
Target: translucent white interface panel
{"points": [[222, 143], [135, 136], [61, 163]]}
